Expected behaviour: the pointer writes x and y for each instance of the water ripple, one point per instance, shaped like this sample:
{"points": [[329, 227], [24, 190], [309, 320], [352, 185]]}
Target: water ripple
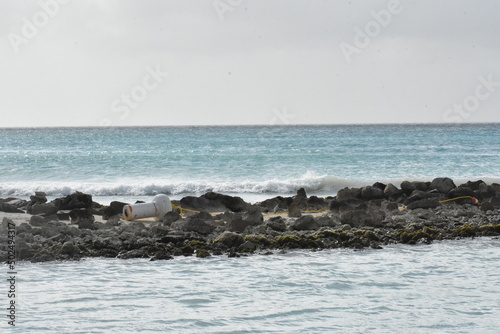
{"points": [[444, 287]]}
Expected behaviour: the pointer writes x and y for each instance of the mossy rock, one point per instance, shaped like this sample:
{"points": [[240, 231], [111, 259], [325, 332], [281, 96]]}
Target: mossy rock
{"points": [[287, 240], [106, 252], [196, 244], [412, 237], [260, 240], [230, 239], [369, 235], [56, 248], [202, 253], [466, 231], [490, 230], [293, 241], [327, 234], [186, 250]]}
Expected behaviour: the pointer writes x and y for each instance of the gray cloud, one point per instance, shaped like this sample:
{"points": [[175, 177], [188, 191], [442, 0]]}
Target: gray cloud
{"points": [[263, 55]]}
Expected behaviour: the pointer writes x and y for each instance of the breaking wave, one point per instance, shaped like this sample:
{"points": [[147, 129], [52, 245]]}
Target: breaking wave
{"points": [[314, 184], [325, 185]]}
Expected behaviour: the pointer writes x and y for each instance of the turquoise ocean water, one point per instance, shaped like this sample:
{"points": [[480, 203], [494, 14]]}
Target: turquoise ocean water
{"points": [[253, 162], [446, 287]]}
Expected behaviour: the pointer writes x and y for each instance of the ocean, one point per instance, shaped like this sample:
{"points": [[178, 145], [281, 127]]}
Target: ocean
{"points": [[445, 287], [255, 162]]}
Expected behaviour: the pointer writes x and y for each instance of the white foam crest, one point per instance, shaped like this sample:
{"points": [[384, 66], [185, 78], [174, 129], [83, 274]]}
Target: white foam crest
{"points": [[313, 184], [310, 182]]}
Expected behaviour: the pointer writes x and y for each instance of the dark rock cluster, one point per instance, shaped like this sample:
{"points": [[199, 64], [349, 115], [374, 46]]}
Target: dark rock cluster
{"points": [[371, 216]]}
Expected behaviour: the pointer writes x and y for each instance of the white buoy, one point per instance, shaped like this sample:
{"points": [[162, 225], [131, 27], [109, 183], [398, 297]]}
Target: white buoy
{"points": [[157, 209]]}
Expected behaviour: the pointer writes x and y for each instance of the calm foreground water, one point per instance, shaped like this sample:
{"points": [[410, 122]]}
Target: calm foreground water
{"points": [[446, 287]]}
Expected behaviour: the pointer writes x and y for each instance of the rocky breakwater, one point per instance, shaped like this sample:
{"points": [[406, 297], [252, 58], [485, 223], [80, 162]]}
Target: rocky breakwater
{"points": [[366, 217]]}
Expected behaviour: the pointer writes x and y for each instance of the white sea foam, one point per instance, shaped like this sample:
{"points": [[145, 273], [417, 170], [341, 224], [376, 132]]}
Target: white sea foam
{"points": [[314, 184]]}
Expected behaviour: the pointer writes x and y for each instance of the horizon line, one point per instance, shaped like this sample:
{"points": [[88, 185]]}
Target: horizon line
{"points": [[236, 125]]}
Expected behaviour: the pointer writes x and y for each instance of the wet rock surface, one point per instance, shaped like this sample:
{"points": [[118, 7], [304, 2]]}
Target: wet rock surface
{"points": [[366, 217]]}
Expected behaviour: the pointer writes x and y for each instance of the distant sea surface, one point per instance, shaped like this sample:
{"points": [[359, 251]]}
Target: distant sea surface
{"points": [[446, 287], [255, 162]]}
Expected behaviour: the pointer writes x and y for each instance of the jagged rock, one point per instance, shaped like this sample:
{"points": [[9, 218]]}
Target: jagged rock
{"points": [[86, 224], [254, 216], [487, 206], [205, 216], [408, 187], [294, 210], [367, 216], [193, 224], [39, 198], [230, 239], [305, 223], [248, 246], [68, 248], [370, 193], [160, 231], [42, 209], [16, 202], [114, 208], [37, 220], [474, 185], [79, 215], [276, 224], [214, 202], [276, 204], [6, 207], [419, 195], [237, 224], [336, 205], [389, 206], [442, 184], [391, 190], [316, 202], [301, 193], [460, 191], [326, 221], [379, 185], [77, 200], [348, 193], [426, 203], [202, 253], [495, 201], [301, 198], [171, 217], [486, 191]]}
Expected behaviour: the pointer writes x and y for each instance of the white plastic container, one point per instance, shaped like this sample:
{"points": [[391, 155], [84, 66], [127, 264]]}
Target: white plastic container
{"points": [[157, 209]]}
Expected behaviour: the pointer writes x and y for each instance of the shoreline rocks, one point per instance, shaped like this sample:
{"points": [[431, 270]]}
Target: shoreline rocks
{"points": [[366, 217]]}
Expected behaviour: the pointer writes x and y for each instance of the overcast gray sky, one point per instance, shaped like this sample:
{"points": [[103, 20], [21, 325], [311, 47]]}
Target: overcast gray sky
{"points": [[207, 62]]}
